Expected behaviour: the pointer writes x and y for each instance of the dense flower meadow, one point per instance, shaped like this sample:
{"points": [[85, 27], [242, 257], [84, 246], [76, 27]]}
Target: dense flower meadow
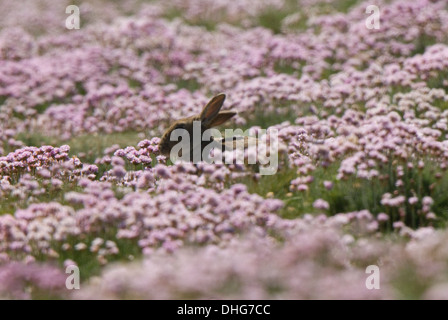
{"points": [[361, 114]]}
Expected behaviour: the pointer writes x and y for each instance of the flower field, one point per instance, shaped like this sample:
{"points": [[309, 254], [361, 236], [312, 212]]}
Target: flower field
{"points": [[362, 178]]}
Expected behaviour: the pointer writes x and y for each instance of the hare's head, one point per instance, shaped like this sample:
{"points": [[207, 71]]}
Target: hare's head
{"points": [[209, 117]]}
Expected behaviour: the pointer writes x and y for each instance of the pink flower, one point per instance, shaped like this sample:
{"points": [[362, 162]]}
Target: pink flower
{"points": [[413, 200], [328, 185], [118, 171], [321, 204], [427, 201]]}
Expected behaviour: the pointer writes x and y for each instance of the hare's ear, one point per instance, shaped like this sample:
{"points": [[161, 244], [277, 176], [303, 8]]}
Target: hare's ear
{"points": [[221, 118], [212, 108]]}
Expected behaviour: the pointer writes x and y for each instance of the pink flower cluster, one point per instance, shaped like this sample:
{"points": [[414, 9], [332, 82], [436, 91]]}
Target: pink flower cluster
{"points": [[178, 213], [256, 268], [316, 261], [23, 281]]}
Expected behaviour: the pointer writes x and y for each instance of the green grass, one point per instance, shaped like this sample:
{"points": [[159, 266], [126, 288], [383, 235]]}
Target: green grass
{"points": [[272, 18], [190, 84], [393, 90], [80, 88], [36, 139], [93, 145], [134, 83], [267, 120], [422, 43], [40, 108], [408, 283], [330, 71], [343, 5], [355, 194], [437, 82], [286, 67], [172, 13], [296, 203], [209, 23], [2, 100]]}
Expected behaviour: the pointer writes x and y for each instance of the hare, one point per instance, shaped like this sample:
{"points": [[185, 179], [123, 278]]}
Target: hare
{"points": [[198, 148], [210, 117]]}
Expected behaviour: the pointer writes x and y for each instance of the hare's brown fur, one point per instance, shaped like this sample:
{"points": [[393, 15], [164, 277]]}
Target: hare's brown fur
{"points": [[210, 117]]}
